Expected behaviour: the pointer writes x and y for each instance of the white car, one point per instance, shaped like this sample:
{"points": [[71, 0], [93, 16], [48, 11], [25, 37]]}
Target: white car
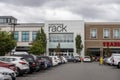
{"points": [[5, 77], [7, 72], [21, 64], [54, 60], [116, 60], [64, 60], [19, 53], [108, 60], [87, 59]]}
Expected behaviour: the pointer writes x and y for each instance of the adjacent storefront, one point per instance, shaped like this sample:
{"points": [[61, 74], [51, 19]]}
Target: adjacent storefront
{"points": [[101, 38]]}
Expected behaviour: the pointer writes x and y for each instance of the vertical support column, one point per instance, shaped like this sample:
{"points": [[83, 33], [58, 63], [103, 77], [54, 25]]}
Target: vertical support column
{"points": [[47, 47]]}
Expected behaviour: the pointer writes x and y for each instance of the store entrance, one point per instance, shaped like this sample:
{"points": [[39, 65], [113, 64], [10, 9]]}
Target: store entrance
{"points": [[62, 52], [95, 52]]}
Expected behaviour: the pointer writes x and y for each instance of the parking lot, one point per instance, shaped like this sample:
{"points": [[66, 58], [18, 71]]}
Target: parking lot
{"points": [[76, 71]]}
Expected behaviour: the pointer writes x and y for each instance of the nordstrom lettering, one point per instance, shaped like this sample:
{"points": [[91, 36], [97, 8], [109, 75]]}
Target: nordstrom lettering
{"points": [[57, 28]]}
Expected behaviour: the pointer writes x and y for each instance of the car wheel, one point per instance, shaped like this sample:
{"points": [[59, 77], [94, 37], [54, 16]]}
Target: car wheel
{"points": [[75, 61], [119, 65], [13, 78], [19, 72]]}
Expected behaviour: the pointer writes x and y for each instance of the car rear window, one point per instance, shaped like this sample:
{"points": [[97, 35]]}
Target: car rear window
{"points": [[87, 57], [29, 59], [22, 59]]}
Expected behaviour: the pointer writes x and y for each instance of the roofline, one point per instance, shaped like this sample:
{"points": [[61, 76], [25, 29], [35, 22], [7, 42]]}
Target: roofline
{"points": [[7, 17], [102, 23]]}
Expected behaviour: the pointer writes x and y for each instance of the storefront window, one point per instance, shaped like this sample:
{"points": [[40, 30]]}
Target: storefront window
{"points": [[16, 35], [116, 33], [61, 37], [25, 36], [106, 33], [34, 34], [93, 33]]}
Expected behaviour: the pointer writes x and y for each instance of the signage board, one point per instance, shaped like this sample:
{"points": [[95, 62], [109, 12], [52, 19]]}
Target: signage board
{"points": [[57, 28]]}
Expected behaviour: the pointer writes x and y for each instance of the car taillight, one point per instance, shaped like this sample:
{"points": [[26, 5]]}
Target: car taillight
{"points": [[113, 60], [33, 64], [40, 60], [23, 63]]}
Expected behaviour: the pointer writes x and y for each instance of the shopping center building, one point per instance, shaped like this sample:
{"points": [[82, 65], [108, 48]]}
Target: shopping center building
{"points": [[96, 36], [62, 33], [59, 32]]}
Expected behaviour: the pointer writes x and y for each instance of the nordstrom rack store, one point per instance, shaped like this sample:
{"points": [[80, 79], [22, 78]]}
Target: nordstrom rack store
{"points": [[61, 36]]}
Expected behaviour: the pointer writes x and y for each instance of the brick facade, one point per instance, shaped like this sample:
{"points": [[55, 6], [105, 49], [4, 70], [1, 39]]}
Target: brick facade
{"points": [[99, 40]]}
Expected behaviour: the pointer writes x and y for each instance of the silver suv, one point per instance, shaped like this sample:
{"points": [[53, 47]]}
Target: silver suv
{"points": [[21, 64]]}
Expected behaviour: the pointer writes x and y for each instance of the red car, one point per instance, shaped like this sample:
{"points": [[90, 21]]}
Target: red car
{"points": [[8, 65]]}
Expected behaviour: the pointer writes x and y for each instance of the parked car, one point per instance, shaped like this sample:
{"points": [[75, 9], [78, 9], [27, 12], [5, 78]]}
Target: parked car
{"points": [[108, 60], [116, 60], [38, 64], [42, 61], [8, 65], [73, 58], [63, 59], [32, 64], [54, 60], [45, 62], [20, 53], [87, 59], [21, 64], [5, 77], [77, 58], [8, 72]]}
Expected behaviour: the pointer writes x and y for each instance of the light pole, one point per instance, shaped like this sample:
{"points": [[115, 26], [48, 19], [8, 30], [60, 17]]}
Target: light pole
{"points": [[13, 33], [13, 26]]}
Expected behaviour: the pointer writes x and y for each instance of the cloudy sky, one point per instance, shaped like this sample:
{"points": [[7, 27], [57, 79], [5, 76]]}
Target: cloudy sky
{"points": [[41, 10]]}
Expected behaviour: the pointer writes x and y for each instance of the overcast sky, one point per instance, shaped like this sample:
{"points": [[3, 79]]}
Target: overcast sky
{"points": [[41, 10]]}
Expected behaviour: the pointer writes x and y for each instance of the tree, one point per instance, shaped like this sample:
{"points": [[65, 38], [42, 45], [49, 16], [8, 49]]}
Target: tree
{"points": [[37, 48], [39, 45], [79, 45], [57, 50], [7, 43], [108, 52]]}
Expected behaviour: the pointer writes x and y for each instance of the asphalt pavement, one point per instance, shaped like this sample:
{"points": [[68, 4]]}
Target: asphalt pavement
{"points": [[76, 71]]}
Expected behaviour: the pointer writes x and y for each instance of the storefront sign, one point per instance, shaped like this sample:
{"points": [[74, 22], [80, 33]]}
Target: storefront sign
{"points": [[114, 44], [57, 28]]}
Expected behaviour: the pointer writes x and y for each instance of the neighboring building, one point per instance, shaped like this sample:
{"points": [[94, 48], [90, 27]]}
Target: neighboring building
{"points": [[62, 33], [7, 23], [25, 34], [102, 35], [7, 20]]}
